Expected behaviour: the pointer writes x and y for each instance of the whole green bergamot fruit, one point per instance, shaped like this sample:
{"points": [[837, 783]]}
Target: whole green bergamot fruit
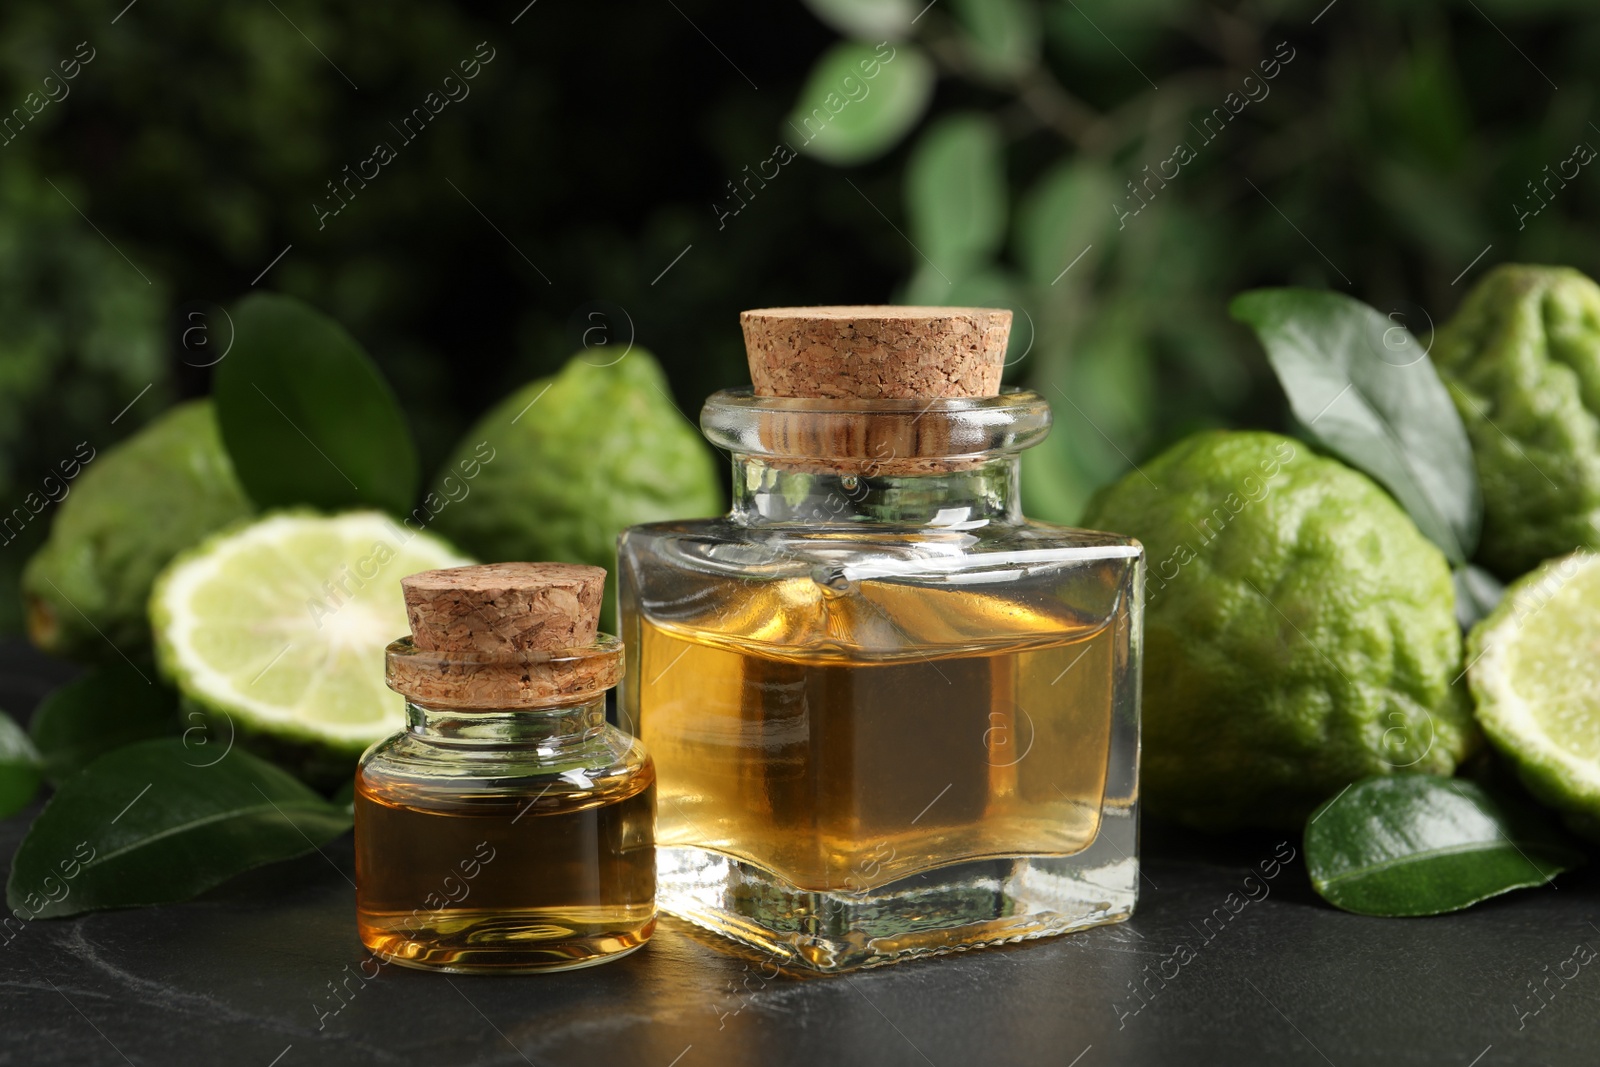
{"points": [[133, 507], [1300, 633], [565, 464], [1522, 361]]}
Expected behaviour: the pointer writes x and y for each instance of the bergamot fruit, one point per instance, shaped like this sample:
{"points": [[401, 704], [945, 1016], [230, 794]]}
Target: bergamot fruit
{"points": [[1522, 361], [1300, 632], [279, 625], [128, 513], [1535, 673], [565, 464]]}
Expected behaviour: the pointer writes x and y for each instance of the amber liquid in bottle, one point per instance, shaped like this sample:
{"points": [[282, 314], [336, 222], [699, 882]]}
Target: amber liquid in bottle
{"points": [[845, 744], [455, 880]]}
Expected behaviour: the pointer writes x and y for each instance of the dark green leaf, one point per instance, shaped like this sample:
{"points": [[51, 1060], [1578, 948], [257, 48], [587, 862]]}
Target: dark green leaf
{"points": [[107, 708], [1416, 844], [345, 795], [1001, 37], [1365, 389], [1477, 592], [956, 193], [145, 825], [19, 767], [306, 416], [866, 20], [859, 101]]}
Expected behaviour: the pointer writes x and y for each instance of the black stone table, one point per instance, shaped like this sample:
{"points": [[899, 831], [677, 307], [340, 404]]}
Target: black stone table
{"points": [[1266, 975]]}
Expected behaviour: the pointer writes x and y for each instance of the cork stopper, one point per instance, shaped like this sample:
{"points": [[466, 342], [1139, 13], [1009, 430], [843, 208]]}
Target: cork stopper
{"points": [[876, 351], [504, 635], [499, 607]]}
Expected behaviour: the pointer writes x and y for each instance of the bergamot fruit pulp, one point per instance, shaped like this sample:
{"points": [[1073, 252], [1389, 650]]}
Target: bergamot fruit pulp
{"points": [[280, 625]]}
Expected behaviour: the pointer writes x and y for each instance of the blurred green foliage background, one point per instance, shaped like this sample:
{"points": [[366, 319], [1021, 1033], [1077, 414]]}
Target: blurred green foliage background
{"points": [[578, 192]]}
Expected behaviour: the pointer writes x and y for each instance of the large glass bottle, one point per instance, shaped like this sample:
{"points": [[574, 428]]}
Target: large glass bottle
{"points": [[890, 716]]}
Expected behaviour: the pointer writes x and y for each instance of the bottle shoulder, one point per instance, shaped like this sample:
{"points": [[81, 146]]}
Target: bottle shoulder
{"points": [[829, 541], [608, 765], [876, 589]]}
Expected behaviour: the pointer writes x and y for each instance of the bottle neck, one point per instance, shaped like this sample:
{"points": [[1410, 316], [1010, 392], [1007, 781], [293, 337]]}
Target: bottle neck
{"points": [[549, 728], [982, 495]]}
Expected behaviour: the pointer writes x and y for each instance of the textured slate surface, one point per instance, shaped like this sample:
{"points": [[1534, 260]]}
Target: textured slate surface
{"points": [[247, 976]]}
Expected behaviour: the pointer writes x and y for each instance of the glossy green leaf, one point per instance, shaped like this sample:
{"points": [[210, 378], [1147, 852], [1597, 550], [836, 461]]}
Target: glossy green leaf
{"points": [[1062, 223], [146, 825], [1477, 593], [859, 100], [867, 20], [1417, 844], [104, 709], [1001, 37], [956, 192], [1364, 388], [19, 767], [305, 415]]}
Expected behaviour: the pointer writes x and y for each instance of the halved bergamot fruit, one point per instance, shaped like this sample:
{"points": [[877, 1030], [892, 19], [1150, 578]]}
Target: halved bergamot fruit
{"points": [[281, 624], [1535, 673]]}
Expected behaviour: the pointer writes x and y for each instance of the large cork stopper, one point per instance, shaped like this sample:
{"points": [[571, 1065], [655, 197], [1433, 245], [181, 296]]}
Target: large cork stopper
{"points": [[876, 351], [503, 635], [499, 607]]}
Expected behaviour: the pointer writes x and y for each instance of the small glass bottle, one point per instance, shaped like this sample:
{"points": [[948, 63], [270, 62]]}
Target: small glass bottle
{"points": [[891, 716], [508, 828]]}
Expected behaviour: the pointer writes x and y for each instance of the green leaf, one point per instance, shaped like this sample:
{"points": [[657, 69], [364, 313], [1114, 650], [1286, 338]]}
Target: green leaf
{"points": [[956, 192], [1055, 487], [859, 101], [1364, 389], [306, 416], [866, 20], [1001, 37], [345, 795], [145, 825], [105, 709], [1477, 593], [1062, 217], [19, 767], [1419, 844]]}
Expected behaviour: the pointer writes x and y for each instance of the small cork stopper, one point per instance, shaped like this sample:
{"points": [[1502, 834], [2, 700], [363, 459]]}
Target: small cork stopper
{"points": [[505, 607], [504, 635], [875, 352]]}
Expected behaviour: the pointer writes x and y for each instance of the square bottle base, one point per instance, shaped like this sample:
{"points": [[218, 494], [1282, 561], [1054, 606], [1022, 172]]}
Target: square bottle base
{"points": [[949, 909]]}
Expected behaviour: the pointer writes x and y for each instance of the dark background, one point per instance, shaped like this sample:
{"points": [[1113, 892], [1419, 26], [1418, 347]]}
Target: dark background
{"points": [[1390, 152]]}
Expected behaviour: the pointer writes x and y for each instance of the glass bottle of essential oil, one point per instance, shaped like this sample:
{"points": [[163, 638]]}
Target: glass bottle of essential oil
{"points": [[890, 716], [508, 828]]}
